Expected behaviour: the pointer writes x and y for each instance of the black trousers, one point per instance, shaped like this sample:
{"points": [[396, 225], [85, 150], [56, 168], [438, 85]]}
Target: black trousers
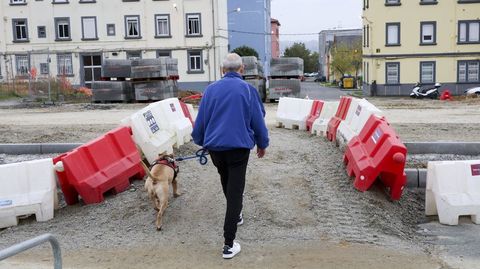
{"points": [[232, 167]]}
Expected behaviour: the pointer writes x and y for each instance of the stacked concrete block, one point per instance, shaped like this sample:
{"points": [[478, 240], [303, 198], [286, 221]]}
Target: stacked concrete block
{"points": [[116, 68], [155, 90], [112, 91], [287, 67], [285, 77], [253, 74], [162, 67]]}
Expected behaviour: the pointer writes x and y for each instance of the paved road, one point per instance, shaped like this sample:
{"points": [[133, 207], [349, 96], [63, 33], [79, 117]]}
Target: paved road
{"points": [[315, 91]]}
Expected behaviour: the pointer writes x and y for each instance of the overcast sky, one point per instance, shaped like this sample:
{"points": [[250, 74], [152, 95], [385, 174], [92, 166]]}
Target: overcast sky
{"points": [[313, 16]]}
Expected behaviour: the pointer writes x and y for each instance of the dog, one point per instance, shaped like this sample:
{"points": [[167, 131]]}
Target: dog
{"points": [[161, 174]]}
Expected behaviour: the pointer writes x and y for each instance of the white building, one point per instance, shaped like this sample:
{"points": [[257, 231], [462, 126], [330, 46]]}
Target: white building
{"points": [[78, 34]]}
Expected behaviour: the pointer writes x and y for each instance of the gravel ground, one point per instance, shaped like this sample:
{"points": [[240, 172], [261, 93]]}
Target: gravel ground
{"points": [[299, 203]]}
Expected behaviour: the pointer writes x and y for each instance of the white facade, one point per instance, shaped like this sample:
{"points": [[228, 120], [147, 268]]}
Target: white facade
{"points": [[84, 32]]}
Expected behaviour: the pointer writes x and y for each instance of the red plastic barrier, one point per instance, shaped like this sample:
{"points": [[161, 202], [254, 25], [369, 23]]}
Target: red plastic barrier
{"points": [[446, 95], [377, 152], [186, 112], [314, 113], [334, 122], [104, 164]]}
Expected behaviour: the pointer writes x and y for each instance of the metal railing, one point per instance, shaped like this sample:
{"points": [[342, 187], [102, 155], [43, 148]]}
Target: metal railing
{"points": [[26, 245]]}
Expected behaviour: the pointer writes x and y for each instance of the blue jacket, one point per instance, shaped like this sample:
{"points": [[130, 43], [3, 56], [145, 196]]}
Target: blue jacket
{"points": [[230, 116]]}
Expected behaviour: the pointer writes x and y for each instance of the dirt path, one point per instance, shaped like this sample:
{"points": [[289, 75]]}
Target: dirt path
{"points": [[280, 254]]}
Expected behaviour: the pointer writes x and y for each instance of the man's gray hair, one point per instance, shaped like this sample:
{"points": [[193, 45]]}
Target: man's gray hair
{"points": [[232, 62]]}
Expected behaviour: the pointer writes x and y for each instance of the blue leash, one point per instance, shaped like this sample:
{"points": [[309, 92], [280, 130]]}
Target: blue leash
{"points": [[201, 154]]}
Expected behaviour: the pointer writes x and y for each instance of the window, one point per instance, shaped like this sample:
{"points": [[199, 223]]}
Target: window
{"points": [[364, 35], [22, 65], [393, 34], [131, 55], [469, 32], [42, 32], [468, 71], [62, 29], [428, 2], [365, 4], [132, 27], [87, 1], [64, 64], [60, 2], [89, 28], [368, 73], [20, 30], [392, 73], [110, 29], [392, 2], [44, 69], [195, 61], [368, 36], [18, 2], [162, 25], [427, 72], [164, 53], [194, 24], [428, 33]]}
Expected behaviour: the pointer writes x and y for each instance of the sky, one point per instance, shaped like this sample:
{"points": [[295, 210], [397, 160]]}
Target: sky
{"points": [[313, 16]]}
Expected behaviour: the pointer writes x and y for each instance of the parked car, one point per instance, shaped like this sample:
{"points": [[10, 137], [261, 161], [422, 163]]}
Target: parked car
{"points": [[473, 91]]}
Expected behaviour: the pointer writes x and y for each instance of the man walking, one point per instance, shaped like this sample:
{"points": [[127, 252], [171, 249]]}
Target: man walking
{"points": [[230, 122]]}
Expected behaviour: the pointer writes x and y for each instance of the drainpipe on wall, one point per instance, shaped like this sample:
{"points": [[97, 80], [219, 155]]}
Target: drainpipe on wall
{"points": [[214, 34]]}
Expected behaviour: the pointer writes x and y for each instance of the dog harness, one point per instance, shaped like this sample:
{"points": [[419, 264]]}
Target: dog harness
{"points": [[170, 162]]}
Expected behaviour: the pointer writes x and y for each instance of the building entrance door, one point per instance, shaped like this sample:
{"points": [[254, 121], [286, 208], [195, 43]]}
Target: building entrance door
{"points": [[92, 69]]}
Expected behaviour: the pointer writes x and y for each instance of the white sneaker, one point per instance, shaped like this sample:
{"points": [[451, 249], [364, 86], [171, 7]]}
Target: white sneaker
{"points": [[230, 252], [240, 219]]}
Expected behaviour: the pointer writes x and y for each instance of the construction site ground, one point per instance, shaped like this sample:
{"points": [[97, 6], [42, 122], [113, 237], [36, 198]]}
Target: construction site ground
{"points": [[300, 207]]}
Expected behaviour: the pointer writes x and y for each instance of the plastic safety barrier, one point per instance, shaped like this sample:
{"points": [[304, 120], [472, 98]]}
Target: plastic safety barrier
{"points": [[358, 114], [453, 190], [27, 188], [104, 164], [339, 116], [320, 125], [193, 113], [292, 113], [377, 152], [150, 133], [314, 113], [170, 111], [186, 111]]}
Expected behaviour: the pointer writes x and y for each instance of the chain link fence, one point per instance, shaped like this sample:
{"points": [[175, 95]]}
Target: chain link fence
{"points": [[40, 76]]}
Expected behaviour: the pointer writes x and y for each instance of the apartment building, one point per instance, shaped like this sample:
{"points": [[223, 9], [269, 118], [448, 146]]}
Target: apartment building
{"points": [[71, 38], [325, 44], [275, 25], [426, 41], [249, 25]]}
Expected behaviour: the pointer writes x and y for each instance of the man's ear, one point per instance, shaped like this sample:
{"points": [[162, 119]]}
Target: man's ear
{"points": [[242, 69]]}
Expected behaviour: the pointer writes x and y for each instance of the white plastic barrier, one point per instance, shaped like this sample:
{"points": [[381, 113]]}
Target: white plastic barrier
{"points": [[170, 111], [293, 112], [357, 116], [27, 188], [453, 190], [150, 133], [321, 123]]}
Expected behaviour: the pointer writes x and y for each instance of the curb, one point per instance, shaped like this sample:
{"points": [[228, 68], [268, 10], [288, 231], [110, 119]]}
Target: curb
{"points": [[459, 148], [416, 177], [18, 149]]}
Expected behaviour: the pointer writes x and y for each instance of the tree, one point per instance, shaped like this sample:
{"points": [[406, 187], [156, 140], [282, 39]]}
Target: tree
{"points": [[310, 59], [346, 58], [245, 51]]}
